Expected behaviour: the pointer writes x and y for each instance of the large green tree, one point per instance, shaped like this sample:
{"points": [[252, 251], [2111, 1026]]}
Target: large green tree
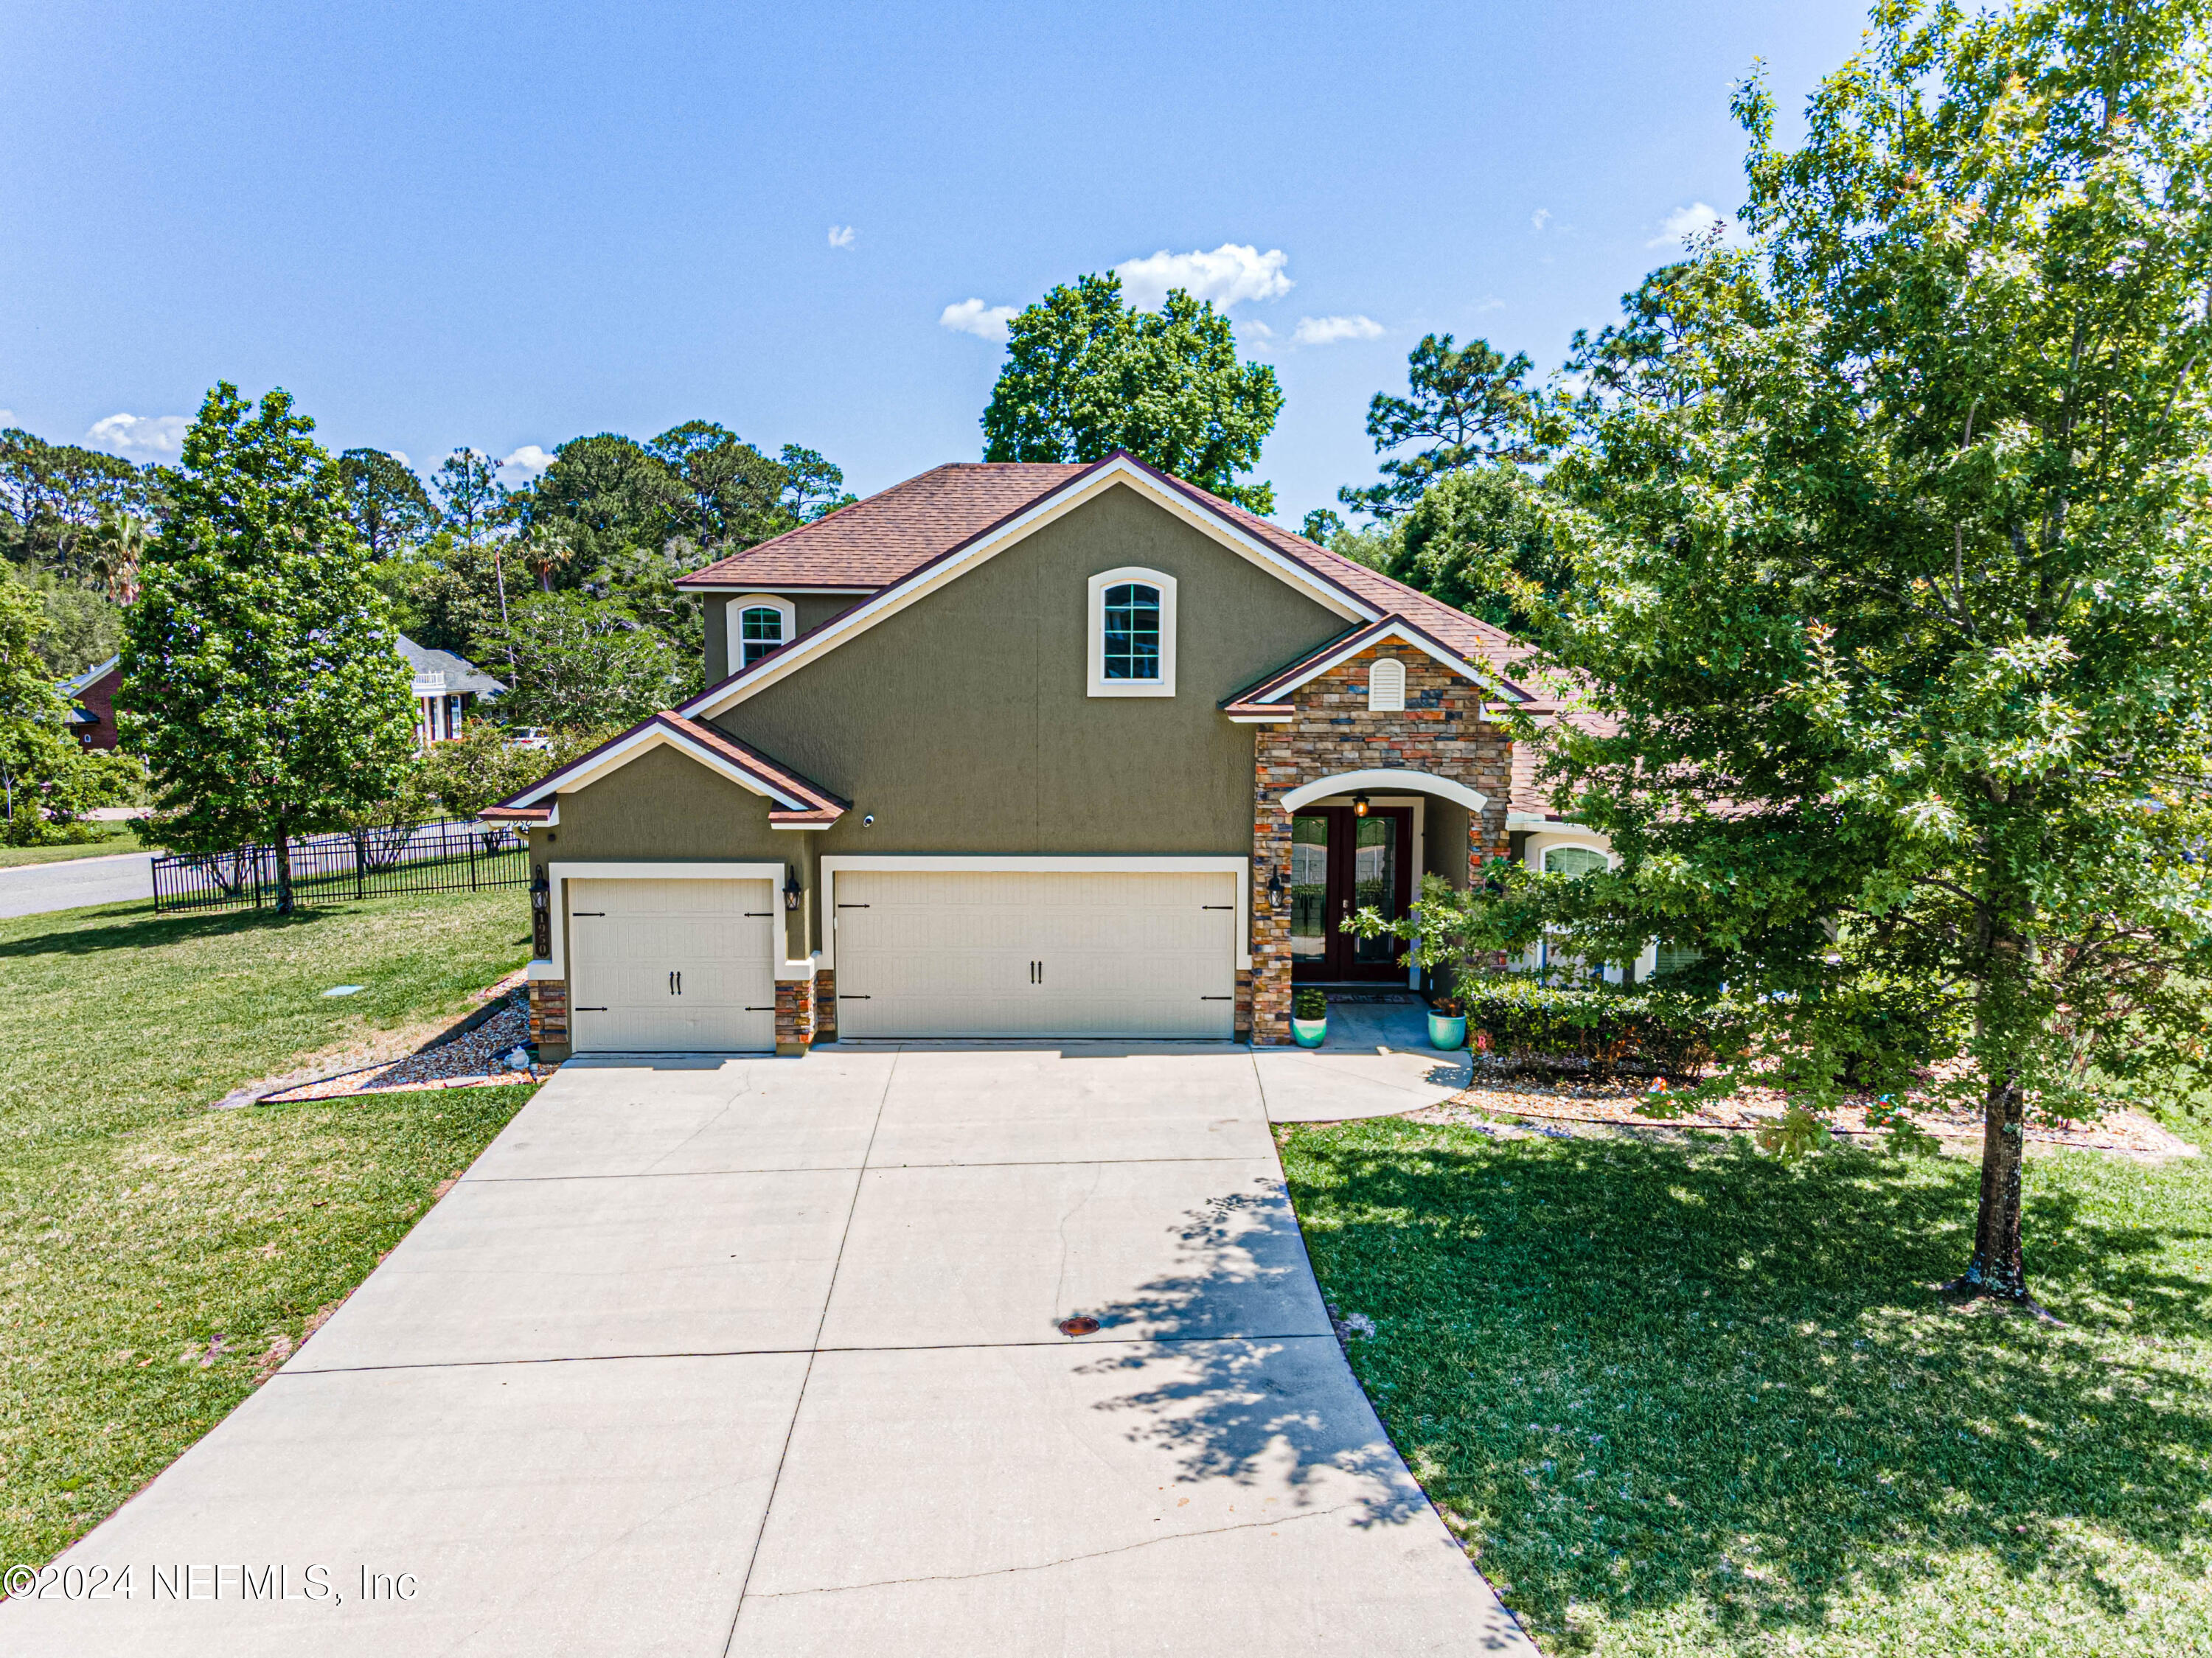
{"points": [[388, 506], [54, 495], [1466, 406], [588, 664], [262, 683], [1086, 374], [1476, 539], [1894, 561], [35, 746]]}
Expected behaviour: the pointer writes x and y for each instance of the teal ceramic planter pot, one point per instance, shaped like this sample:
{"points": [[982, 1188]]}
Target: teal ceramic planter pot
{"points": [[1449, 1033], [1309, 1033]]}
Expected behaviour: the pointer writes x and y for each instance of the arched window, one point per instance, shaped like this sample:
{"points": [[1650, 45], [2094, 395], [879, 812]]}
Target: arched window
{"points": [[759, 623], [1133, 634], [1386, 686], [761, 630], [1573, 860]]}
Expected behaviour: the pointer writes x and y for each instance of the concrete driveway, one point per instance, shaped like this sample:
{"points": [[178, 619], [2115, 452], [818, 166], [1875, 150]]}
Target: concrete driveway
{"points": [[763, 1356]]}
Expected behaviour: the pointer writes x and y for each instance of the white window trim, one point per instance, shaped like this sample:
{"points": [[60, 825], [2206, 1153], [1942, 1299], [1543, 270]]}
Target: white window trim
{"points": [[1397, 779], [1165, 685], [1564, 834], [1395, 702], [734, 622], [557, 876], [1041, 864]]}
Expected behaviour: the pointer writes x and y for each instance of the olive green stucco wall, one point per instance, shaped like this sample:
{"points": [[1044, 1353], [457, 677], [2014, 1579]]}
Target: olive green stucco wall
{"points": [[811, 611], [964, 723], [1443, 844], [664, 806]]}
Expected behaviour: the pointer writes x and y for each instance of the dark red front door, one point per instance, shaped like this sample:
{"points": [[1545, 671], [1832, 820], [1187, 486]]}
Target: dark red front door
{"points": [[1339, 863]]}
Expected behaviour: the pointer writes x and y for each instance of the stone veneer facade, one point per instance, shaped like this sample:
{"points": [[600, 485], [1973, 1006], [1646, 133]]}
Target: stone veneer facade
{"points": [[549, 1014], [794, 1015], [1442, 731]]}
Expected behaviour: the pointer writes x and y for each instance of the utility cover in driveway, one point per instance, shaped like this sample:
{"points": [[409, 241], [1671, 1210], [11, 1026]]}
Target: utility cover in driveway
{"points": [[763, 1356]]}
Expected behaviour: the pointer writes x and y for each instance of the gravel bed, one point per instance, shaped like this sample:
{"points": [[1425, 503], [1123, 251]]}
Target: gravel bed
{"points": [[473, 1058]]}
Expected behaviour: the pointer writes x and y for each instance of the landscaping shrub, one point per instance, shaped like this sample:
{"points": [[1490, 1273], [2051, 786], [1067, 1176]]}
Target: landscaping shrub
{"points": [[1309, 1003], [1606, 1027]]}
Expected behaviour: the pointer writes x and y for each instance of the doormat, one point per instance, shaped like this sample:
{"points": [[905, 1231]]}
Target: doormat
{"points": [[1387, 998]]}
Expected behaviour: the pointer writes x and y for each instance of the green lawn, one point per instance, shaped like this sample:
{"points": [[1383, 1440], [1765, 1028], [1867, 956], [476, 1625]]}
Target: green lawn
{"points": [[156, 1257], [1687, 1400], [114, 838]]}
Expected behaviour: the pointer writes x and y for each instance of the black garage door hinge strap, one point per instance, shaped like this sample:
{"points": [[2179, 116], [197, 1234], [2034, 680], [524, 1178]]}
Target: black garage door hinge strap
{"points": [[587, 1010], [1216, 999]]}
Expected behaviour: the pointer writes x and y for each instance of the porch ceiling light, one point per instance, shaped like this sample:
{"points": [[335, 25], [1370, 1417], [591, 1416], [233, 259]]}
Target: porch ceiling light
{"points": [[1359, 805]]}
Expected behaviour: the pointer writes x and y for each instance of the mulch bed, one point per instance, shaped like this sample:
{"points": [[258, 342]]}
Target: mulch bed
{"points": [[1623, 1105]]}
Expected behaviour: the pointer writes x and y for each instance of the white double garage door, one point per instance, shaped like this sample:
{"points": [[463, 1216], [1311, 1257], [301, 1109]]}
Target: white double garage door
{"points": [[689, 965]]}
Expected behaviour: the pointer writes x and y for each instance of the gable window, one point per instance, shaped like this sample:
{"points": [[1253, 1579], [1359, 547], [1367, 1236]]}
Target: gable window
{"points": [[1132, 633], [1386, 686], [758, 624]]}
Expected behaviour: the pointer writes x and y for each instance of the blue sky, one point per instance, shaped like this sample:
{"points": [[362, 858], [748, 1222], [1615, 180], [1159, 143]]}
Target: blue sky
{"points": [[506, 225]]}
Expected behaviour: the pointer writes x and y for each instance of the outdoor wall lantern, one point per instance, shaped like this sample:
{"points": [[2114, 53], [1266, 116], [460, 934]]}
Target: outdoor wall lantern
{"points": [[541, 914], [1359, 805], [790, 888], [1274, 887]]}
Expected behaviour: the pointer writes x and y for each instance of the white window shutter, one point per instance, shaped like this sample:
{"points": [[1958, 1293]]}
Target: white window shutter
{"points": [[1386, 686]]}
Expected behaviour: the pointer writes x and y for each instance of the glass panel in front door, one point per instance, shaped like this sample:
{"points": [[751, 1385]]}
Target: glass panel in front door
{"points": [[1308, 888], [1375, 884]]}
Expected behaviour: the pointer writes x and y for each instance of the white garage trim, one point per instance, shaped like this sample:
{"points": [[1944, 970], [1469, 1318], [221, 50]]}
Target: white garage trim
{"points": [[1042, 864], [557, 899], [1395, 778]]}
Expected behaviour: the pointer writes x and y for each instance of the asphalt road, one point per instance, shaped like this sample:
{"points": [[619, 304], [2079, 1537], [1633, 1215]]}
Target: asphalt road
{"points": [[38, 888]]}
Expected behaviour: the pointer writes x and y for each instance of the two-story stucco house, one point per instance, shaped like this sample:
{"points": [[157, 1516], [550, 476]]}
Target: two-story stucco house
{"points": [[1019, 750]]}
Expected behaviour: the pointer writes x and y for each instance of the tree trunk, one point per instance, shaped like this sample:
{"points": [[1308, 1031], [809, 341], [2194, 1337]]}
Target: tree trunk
{"points": [[283, 868], [1997, 1269]]}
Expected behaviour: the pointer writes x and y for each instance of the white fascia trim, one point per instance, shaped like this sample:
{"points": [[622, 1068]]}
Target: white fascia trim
{"points": [[799, 826], [734, 623], [1479, 675], [557, 900], [649, 737], [1538, 821], [751, 584], [1282, 719], [1163, 584], [1396, 778], [889, 601], [1046, 863]]}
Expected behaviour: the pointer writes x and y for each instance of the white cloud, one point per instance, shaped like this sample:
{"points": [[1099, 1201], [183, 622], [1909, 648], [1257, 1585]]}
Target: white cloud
{"points": [[523, 466], [1541, 217], [985, 322], [1256, 329], [1327, 331], [841, 235], [1230, 274], [399, 455], [7, 417], [140, 437], [1494, 303], [1683, 223]]}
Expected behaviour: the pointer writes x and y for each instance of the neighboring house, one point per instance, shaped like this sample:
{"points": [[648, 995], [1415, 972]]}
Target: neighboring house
{"points": [[446, 687], [91, 697], [1018, 749]]}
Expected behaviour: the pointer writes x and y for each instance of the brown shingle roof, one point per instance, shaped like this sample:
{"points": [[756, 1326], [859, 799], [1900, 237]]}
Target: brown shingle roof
{"points": [[876, 542], [873, 543]]}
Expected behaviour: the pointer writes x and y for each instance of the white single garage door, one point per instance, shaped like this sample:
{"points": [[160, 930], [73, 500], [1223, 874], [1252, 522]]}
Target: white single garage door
{"points": [[1002, 953], [671, 967]]}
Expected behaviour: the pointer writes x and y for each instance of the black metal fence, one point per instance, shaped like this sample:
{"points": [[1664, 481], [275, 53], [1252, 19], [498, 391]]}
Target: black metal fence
{"points": [[441, 857]]}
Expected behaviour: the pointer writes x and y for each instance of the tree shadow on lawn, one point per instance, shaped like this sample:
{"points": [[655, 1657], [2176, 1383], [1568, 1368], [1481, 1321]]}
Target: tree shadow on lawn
{"points": [[1651, 1375], [148, 930]]}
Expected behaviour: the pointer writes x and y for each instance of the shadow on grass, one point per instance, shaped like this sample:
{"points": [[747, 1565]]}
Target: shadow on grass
{"points": [[1650, 1376], [142, 930]]}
